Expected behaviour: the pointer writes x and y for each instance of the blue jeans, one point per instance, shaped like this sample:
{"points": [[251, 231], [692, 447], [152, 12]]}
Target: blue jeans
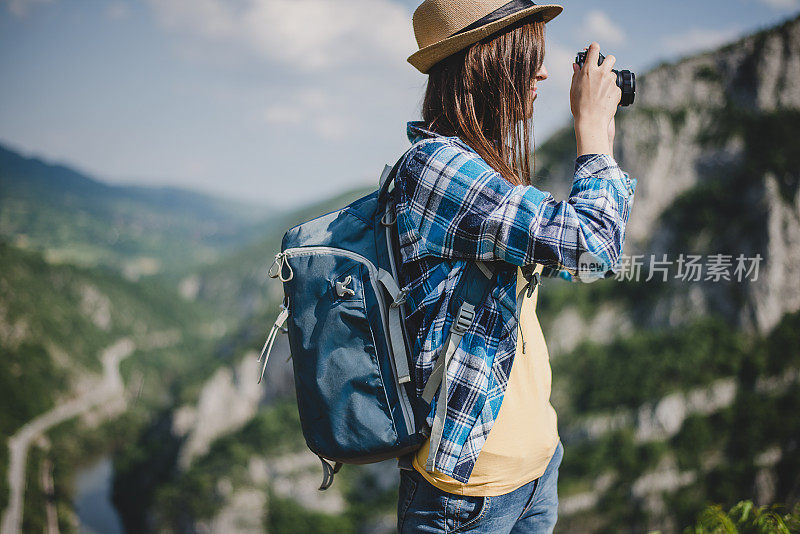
{"points": [[533, 508]]}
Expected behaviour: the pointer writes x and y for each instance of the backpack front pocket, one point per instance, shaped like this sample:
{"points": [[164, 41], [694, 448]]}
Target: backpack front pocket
{"points": [[335, 339]]}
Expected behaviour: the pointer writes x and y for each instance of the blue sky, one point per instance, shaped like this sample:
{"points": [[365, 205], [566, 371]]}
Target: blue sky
{"points": [[281, 102]]}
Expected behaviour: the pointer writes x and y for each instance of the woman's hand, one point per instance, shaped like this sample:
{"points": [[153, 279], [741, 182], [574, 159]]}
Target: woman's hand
{"points": [[594, 97]]}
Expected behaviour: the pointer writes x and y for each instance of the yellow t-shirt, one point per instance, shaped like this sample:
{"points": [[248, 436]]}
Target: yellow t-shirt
{"points": [[524, 436]]}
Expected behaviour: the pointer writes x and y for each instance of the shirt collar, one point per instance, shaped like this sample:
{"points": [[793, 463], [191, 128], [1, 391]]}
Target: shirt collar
{"points": [[416, 132]]}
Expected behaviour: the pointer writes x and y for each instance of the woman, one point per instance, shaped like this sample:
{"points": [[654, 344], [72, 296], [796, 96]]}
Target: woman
{"points": [[464, 195]]}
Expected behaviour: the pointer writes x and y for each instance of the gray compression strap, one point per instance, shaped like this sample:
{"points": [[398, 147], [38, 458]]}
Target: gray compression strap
{"points": [[396, 312], [460, 325], [396, 344], [433, 382], [436, 375], [485, 270]]}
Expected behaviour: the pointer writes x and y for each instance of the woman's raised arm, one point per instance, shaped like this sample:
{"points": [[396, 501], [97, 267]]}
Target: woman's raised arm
{"points": [[456, 206]]}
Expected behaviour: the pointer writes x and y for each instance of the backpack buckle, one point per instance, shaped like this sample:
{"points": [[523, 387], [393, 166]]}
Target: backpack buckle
{"points": [[466, 314], [388, 214], [534, 281], [401, 298]]}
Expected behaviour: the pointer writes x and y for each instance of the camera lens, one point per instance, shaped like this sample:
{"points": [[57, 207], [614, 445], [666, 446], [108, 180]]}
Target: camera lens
{"points": [[626, 80]]}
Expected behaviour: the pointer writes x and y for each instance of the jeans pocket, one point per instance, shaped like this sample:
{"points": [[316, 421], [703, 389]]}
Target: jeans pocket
{"points": [[464, 511], [528, 504]]}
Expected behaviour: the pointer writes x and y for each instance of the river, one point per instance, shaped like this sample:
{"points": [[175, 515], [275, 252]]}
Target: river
{"points": [[93, 505]]}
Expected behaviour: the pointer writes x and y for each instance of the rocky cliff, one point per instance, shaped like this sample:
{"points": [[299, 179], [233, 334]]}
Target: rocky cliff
{"points": [[712, 140], [668, 393]]}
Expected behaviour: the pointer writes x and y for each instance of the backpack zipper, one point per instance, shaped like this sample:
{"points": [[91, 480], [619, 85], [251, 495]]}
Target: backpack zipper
{"points": [[405, 405]]}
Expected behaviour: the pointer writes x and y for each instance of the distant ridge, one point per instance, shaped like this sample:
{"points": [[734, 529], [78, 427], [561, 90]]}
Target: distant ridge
{"points": [[138, 230]]}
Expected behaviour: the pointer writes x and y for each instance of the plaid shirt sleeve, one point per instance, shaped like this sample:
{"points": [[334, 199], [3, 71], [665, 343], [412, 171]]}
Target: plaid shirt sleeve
{"points": [[467, 210], [555, 272]]}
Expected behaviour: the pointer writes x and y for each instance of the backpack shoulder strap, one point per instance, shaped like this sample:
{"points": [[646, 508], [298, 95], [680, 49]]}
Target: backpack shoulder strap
{"points": [[475, 284]]}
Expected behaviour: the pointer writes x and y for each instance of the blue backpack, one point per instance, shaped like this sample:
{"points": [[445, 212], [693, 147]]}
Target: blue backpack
{"points": [[345, 317]]}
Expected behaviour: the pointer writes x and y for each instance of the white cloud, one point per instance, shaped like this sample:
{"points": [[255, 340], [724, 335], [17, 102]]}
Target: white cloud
{"points": [[698, 39], [313, 108], [283, 114], [309, 35], [598, 26], [331, 127], [20, 7], [118, 11], [782, 4]]}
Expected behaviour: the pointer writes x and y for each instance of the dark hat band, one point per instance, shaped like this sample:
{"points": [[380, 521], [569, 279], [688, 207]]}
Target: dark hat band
{"points": [[499, 13]]}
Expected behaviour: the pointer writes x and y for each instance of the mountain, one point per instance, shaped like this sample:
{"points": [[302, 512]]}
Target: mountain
{"points": [[713, 139], [670, 394], [93, 353], [137, 230], [237, 284], [675, 392], [235, 434], [87, 357]]}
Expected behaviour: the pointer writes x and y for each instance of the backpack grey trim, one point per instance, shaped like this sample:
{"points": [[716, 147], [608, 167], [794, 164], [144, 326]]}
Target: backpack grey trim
{"points": [[466, 314], [396, 344], [273, 333], [438, 377]]}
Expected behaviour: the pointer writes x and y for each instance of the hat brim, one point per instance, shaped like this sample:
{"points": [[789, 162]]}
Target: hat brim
{"points": [[425, 58]]}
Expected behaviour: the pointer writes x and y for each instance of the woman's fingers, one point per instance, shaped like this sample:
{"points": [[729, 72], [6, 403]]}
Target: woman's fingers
{"points": [[592, 55], [615, 90], [608, 63], [594, 94]]}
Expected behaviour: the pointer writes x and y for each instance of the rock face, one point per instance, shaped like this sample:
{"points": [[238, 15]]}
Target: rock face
{"points": [[703, 188], [713, 143], [779, 290], [228, 400], [760, 71], [715, 173], [569, 328], [243, 512]]}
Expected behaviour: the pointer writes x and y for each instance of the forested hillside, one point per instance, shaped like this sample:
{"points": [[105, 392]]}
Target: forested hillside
{"points": [[137, 230], [683, 390], [671, 392]]}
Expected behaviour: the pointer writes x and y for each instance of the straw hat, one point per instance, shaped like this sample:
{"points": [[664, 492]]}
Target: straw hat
{"points": [[443, 27]]}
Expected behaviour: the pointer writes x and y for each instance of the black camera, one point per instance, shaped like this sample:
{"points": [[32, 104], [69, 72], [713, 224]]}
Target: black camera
{"points": [[626, 80]]}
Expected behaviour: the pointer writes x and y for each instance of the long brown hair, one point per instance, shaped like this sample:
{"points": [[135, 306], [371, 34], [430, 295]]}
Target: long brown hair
{"points": [[481, 94]]}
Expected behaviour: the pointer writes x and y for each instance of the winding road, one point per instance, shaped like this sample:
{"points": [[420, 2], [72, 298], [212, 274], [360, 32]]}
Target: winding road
{"points": [[108, 389]]}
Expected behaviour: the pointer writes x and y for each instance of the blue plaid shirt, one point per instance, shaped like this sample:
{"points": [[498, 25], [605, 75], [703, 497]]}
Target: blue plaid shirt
{"points": [[452, 207]]}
